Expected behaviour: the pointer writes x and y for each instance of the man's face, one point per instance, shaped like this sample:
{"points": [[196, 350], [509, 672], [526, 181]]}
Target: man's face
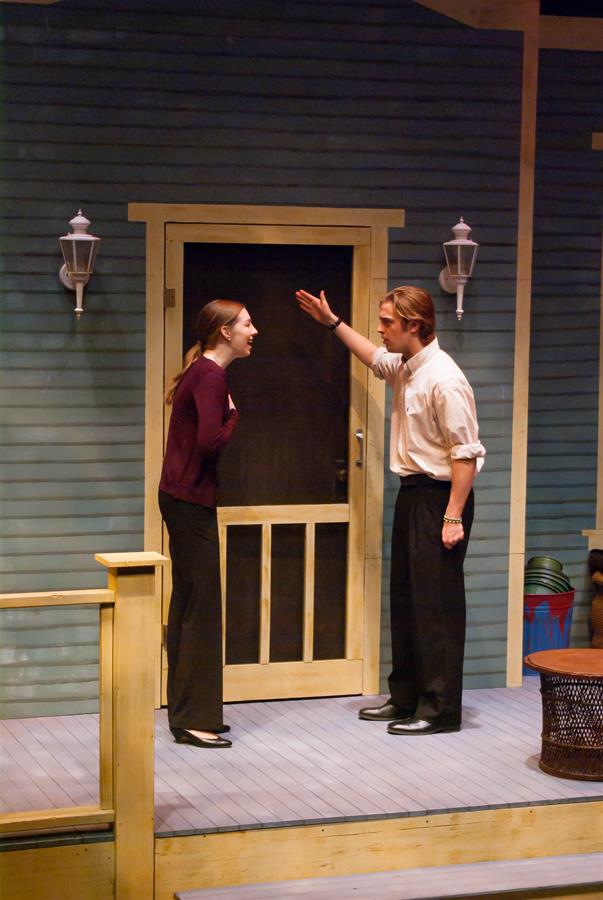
{"points": [[394, 331]]}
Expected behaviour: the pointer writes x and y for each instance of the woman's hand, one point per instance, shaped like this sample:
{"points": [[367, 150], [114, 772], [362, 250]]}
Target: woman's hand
{"points": [[231, 403], [317, 307]]}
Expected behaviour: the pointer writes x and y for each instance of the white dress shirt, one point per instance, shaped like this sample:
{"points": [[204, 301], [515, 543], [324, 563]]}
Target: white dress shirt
{"points": [[433, 412]]}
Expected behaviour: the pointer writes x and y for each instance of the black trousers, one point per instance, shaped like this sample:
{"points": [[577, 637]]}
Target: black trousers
{"points": [[194, 632], [427, 596]]}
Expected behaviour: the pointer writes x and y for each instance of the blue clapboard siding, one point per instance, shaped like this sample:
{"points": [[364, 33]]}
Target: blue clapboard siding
{"points": [[295, 102], [562, 469]]}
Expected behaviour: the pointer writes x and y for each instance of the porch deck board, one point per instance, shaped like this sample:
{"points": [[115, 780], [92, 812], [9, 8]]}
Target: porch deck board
{"points": [[302, 762], [441, 785]]}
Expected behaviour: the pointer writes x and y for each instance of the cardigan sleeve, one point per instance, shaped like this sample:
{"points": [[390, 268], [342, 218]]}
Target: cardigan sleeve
{"points": [[215, 421]]}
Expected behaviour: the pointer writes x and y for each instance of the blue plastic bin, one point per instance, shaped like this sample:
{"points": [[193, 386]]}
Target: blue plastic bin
{"points": [[547, 620]]}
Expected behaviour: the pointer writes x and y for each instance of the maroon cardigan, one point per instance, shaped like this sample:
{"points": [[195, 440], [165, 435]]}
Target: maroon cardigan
{"points": [[201, 424]]}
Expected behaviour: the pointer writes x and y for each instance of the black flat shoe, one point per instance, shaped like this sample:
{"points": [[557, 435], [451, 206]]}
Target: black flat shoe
{"points": [[384, 713], [221, 730], [412, 725], [182, 736]]}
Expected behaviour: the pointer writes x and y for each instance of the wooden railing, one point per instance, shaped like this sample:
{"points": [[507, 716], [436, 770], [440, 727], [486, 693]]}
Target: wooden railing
{"points": [[126, 707]]}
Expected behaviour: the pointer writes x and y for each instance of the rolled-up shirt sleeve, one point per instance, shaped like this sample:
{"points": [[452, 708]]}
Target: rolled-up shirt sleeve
{"points": [[457, 419], [384, 365]]}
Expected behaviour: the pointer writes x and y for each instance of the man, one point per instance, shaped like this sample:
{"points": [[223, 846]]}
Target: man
{"points": [[435, 450]]}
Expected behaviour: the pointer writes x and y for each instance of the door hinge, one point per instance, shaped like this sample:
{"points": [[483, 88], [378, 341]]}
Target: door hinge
{"points": [[169, 297]]}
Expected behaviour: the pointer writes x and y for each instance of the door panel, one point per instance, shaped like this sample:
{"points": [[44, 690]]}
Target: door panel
{"points": [[287, 593], [291, 498], [331, 542], [243, 574]]}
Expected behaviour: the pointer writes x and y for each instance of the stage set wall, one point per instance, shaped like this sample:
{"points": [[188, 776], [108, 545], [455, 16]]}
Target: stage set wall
{"points": [[279, 102], [565, 340]]}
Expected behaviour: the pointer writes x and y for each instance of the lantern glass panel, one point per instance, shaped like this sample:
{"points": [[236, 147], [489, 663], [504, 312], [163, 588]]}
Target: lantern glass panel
{"points": [[467, 253], [460, 258], [79, 255]]}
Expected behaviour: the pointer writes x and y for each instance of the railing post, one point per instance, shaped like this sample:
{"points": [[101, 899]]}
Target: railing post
{"points": [[133, 578]]}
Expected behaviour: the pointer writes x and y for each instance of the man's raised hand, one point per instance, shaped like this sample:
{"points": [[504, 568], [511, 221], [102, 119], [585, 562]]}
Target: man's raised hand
{"points": [[317, 307]]}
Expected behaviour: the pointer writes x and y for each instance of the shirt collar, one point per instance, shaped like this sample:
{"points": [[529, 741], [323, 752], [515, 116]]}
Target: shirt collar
{"points": [[419, 359]]}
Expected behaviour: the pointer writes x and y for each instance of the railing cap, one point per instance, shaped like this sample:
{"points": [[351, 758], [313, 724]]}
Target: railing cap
{"points": [[130, 559]]}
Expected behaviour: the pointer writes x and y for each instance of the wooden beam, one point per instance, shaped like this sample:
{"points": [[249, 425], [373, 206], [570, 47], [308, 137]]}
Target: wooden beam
{"points": [[132, 577], [309, 575], [43, 819], [595, 537], [130, 559], [265, 594], [260, 682], [599, 514], [264, 215], [299, 514], [523, 305], [570, 33], [106, 688], [265, 233], [556, 32], [56, 598], [508, 15], [375, 450]]}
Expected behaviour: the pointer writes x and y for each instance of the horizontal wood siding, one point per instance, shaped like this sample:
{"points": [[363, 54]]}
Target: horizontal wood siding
{"points": [[563, 420], [276, 102]]}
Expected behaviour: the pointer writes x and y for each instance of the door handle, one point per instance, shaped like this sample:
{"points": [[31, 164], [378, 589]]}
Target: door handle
{"points": [[359, 435]]}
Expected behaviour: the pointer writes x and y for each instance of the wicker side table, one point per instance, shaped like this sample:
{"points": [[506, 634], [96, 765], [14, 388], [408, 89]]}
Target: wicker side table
{"points": [[571, 685]]}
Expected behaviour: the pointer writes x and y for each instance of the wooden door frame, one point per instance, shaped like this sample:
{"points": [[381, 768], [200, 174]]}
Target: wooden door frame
{"points": [[157, 216]]}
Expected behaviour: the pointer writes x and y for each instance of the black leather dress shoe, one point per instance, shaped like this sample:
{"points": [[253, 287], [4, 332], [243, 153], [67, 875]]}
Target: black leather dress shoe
{"points": [[182, 736], [383, 713], [412, 725]]}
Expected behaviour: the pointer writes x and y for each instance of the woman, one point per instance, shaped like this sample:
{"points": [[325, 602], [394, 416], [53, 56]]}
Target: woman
{"points": [[202, 422]]}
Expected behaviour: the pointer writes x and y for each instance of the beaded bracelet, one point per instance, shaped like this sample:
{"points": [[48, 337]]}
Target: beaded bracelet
{"points": [[453, 520]]}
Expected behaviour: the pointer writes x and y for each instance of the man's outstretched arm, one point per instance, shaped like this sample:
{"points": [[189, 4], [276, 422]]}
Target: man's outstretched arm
{"points": [[319, 309]]}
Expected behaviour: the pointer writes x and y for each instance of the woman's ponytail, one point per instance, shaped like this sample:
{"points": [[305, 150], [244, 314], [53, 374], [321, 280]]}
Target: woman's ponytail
{"points": [[191, 355]]}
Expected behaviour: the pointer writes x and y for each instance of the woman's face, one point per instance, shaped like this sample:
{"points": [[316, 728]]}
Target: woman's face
{"points": [[240, 334]]}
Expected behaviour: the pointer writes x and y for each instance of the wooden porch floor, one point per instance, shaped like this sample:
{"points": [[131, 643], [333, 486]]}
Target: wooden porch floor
{"points": [[302, 762]]}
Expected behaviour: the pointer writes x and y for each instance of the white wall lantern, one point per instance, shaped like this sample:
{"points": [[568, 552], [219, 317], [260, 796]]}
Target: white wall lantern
{"points": [[460, 258], [79, 252]]}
